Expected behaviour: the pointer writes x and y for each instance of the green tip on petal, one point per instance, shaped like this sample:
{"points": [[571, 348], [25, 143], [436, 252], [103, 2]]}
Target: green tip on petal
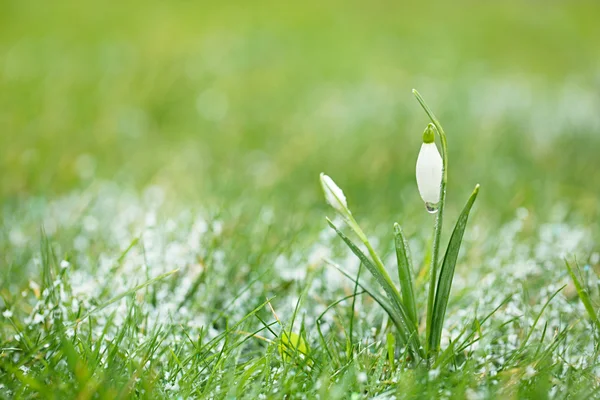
{"points": [[429, 134]]}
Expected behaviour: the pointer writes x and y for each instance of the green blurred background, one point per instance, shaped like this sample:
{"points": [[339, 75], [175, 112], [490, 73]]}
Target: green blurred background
{"points": [[232, 103]]}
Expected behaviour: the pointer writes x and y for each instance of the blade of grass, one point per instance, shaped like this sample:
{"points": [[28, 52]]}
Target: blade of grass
{"points": [[447, 274], [454, 349], [391, 344], [405, 272], [467, 342], [125, 294], [350, 348], [584, 296], [301, 298], [537, 318], [379, 299]]}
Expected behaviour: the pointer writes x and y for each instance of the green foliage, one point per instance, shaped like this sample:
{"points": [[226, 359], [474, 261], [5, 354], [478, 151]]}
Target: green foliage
{"points": [[401, 307], [584, 296], [394, 305], [405, 272], [290, 344], [141, 138], [444, 284]]}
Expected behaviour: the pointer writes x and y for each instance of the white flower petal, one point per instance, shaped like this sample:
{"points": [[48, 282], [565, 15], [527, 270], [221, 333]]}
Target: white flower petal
{"points": [[333, 194], [429, 173]]}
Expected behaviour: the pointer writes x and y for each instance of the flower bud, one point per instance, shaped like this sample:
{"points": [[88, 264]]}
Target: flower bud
{"points": [[429, 170], [334, 195]]}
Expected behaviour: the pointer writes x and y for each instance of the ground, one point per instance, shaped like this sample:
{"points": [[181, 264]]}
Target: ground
{"points": [[163, 226]]}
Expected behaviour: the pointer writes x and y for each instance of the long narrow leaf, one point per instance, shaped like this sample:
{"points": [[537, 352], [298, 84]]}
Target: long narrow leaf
{"points": [[379, 299], [539, 315], [394, 301], [350, 342], [127, 293], [583, 296], [410, 330], [444, 285], [405, 273]]}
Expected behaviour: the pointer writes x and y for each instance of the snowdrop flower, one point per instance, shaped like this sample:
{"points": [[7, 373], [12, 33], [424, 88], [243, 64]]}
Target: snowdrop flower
{"points": [[334, 195], [429, 170]]}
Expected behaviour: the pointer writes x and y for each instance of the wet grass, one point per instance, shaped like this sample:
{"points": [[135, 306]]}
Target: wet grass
{"points": [[139, 139]]}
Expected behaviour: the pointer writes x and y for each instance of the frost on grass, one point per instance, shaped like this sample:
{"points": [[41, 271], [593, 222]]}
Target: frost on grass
{"points": [[100, 244]]}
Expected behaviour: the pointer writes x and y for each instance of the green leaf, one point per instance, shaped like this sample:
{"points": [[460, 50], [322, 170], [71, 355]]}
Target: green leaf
{"points": [[375, 295], [537, 318], [407, 329], [390, 349], [405, 273], [444, 284], [394, 300], [127, 293], [290, 343], [584, 296]]}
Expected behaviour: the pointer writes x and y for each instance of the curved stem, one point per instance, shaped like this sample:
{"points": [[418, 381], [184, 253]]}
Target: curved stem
{"points": [[439, 217]]}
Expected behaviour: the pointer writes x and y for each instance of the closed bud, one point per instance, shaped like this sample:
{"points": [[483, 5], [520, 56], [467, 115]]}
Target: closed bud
{"points": [[334, 195], [429, 170]]}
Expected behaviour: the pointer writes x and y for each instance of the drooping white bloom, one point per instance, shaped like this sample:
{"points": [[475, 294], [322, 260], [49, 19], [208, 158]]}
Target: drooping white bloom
{"points": [[333, 194], [429, 169]]}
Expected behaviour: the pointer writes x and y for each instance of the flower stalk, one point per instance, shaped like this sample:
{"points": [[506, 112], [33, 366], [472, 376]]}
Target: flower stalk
{"points": [[400, 303], [439, 218]]}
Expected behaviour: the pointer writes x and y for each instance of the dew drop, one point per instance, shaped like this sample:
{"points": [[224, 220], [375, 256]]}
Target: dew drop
{"points": [[431, 208]]}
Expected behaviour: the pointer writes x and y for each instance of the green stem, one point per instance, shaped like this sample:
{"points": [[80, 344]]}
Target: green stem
{"points": [[356, 228], [439, 217], [350, 348]]}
